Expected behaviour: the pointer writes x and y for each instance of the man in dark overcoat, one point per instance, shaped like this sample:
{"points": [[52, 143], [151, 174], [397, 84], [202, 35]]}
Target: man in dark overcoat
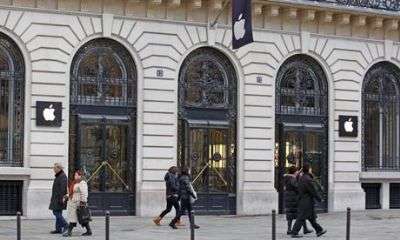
{"points": [[57, 203], [307, 197]]}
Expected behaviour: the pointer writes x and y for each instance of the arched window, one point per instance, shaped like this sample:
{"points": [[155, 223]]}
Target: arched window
{"points": [[12, 91], [102, 133], [103, 74], [207, 80], [381, 102], [207, 128], [301, 88], [301, 122]]}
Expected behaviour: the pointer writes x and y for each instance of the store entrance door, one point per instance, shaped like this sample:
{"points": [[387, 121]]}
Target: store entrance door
{"points": [[104, 154], [211, 159], [297, 144]]}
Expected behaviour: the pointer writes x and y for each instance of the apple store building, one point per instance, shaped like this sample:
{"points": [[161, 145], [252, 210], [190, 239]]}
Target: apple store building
{"points": [[126, 89]]}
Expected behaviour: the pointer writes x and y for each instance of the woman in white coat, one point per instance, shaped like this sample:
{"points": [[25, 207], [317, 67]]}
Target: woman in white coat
{"points": [[77, 196]]}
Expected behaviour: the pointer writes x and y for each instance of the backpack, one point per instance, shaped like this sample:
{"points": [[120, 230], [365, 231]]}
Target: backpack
{"points": [[318, 189]]}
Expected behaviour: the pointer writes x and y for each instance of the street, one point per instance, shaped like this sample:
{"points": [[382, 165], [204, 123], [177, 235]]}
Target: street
{"points": [[366, 225]]}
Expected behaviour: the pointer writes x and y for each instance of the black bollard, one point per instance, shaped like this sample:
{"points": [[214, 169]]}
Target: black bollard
{"points": [[348, 223], [192, 226], [273, 225], [18, 225], [107, 225]]}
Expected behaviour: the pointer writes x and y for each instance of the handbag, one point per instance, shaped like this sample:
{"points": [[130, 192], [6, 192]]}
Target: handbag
{"points": [[84, 214], [318, 189], [192, 199]]}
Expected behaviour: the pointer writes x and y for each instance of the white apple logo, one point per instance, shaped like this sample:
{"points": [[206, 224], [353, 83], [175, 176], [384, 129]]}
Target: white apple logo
{"points": [[239, 29], [48, 113], [348, 126]]}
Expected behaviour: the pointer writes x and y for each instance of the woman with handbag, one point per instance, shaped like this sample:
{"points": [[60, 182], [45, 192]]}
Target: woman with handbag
{"points": [[172, 196], [77, 199], [188, 196]]}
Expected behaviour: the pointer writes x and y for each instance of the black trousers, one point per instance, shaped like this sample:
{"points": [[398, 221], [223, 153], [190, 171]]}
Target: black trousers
{"points": [[171, 202], [300, 222], [185, 205]]}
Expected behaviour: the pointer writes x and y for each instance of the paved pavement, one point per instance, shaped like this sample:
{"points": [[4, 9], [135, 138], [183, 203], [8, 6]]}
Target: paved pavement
{"points": [[367, 225]]}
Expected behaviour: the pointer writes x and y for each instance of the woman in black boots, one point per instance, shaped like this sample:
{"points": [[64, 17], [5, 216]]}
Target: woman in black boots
{"points": [[187, 196], [77, 196], [291, 199], [172, 194]]}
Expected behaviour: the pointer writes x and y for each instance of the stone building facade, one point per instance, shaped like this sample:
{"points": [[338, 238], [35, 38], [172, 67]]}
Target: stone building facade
{"points": [[147, 84]]}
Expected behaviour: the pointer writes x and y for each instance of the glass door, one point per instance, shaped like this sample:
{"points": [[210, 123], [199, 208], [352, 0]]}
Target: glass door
{"points": [[296, 146], [211, 159], [91, 154], [219, 161], [116, 156], [104, 155]]}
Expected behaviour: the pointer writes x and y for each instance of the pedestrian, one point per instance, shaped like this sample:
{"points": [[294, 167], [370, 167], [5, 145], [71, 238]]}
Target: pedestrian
{"points": [[57, 204], [187, 196], [172, 195], [76, 197], [291, 196], [306, 209]]}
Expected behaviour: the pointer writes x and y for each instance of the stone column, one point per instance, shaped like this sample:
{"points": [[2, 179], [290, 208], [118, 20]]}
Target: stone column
{"points": [[385, 195]]}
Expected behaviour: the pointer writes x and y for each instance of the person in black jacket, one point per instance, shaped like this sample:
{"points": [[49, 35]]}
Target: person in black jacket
{"points": [[57, 204], [187, 196], [306, 210], [172, 196], [291, 195]]}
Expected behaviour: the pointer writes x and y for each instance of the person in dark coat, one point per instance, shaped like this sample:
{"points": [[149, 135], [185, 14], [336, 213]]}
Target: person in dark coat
{"points": [[291, 195], [57, 204], [187, 196], [172, 195], [307, 197]]}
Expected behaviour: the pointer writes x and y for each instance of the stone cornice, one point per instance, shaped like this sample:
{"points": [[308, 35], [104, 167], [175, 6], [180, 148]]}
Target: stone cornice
{"points": [[326, 12], [302, 12], [330, 6]]}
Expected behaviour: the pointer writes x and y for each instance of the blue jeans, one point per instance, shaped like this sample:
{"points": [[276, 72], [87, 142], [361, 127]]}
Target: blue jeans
{"points": [[60, 221]]}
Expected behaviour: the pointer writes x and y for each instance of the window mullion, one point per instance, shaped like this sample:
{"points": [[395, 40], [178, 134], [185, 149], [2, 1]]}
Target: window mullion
{"points": [[397, 136], [381, 137], [11, 115]]}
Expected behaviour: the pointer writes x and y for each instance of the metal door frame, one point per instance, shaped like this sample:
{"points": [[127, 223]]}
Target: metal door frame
{"points": [[301, 128], [207, 125], [104, 121]]}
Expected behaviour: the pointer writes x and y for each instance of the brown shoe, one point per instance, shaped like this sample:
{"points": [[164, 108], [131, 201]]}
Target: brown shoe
{"points": [[157, 221], [179, 223]]}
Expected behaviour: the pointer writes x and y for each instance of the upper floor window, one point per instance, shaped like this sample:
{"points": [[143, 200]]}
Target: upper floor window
{"points": [[381, 102], [301, 87], [103, 73], [12, 91]]}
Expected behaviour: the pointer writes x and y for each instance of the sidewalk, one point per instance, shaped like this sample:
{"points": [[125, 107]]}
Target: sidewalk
{"points": [[367, 225]]}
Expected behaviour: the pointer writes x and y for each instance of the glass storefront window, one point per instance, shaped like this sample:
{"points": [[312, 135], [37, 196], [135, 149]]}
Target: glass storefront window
{"points": [[381, 117], [207, 128], [103, 124], [301, 131], [12, 82]]}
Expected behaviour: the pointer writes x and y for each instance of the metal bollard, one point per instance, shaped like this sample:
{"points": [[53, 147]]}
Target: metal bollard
{"points": [[18, 225], [273, 224], [107, 225], [192, 226], [348, 223]]}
